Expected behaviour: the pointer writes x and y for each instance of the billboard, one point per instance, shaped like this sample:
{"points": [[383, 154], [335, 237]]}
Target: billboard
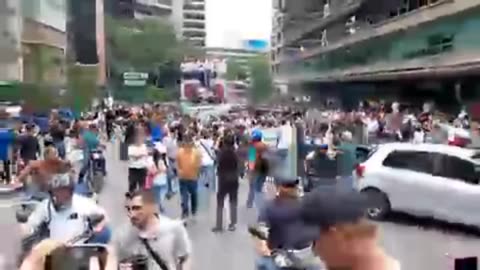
{"points": [[256, 45]]}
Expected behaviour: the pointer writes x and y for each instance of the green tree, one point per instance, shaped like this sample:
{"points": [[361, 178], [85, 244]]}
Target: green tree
{"points": [[261, 82], [38, 93], [234, 70], [82, 86], [148, 45], [155, 94]]}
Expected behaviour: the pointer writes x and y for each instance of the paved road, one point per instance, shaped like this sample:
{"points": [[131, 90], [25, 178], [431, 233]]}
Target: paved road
{"points": [[417, 248]]}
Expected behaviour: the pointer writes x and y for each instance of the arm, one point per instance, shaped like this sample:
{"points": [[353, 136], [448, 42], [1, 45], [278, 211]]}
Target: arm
{"points": [[27, 171], [39, 215], [183, 248]]}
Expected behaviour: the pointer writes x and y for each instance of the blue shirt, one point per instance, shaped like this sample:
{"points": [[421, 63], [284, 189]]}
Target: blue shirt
{"points": [[6, 139], [156, 133]]}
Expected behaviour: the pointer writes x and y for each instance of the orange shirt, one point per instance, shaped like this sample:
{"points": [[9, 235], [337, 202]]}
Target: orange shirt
{"points": [[189, 161]]}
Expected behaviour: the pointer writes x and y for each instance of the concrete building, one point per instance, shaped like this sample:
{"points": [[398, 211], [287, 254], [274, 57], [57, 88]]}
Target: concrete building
{"points": [[193, 22], [240, 56], [427, 48], [139, 8], [44, 40], [186, 16], [153, 8], [10, 41], [33, 32]]}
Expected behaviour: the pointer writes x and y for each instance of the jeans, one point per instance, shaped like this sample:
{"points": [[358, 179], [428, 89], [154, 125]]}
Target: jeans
{"points": [[265, 263], [60, 146], [208, 177], [160, 192], [172, 181], [255, 191], [189, 197], [283, 167], [86, 166]]}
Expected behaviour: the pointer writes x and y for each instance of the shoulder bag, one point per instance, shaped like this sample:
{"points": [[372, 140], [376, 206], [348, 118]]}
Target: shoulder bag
{"points": [[154, 255]]}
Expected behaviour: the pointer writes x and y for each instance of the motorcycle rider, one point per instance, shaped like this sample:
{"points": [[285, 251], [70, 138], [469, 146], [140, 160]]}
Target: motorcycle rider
{"points": [[288, 236], [65, 214], [91, 141]]}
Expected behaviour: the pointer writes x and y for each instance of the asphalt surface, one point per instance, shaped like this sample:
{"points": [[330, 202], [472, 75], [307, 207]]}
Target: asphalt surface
{"points": [[429, 245]]}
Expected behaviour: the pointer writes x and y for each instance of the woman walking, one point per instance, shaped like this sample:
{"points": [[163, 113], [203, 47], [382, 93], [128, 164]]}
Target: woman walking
{"points": [[138, 161], [228, 177]]}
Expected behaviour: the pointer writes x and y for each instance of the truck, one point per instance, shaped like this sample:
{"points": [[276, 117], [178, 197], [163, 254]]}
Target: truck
{"points": [[202, 82]]}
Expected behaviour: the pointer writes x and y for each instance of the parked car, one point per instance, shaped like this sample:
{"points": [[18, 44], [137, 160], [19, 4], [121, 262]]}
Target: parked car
{"points": [[430, 180]]}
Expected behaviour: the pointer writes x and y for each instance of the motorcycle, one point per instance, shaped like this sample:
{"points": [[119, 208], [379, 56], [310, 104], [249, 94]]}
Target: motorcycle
{"points": [[96, 173], [26, 208]]}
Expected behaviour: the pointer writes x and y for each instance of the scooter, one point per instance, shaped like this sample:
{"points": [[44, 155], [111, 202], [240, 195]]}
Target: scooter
{"points": [[96, 174]]}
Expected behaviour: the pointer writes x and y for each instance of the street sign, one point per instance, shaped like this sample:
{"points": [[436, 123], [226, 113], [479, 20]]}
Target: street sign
{"points": [[135, 78]]}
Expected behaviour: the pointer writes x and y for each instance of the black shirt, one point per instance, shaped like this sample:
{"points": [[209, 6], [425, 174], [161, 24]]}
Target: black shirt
{"points": [[29, 147], [286, 227]]}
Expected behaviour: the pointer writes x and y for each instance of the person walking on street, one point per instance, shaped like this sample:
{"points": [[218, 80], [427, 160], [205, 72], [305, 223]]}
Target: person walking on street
{"points": [[189, 160], [228, 174], [138, 163]]}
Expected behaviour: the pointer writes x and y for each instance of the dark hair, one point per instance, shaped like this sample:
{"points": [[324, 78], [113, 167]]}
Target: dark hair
{"points": [[147, 195], [228, 141]]}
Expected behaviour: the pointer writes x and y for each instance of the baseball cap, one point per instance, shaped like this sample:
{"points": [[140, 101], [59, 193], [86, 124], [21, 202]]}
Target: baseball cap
{"points": [[329, 206]]}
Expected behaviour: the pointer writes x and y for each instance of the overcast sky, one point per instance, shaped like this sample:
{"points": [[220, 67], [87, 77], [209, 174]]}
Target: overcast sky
{"points": [[229, 22]]}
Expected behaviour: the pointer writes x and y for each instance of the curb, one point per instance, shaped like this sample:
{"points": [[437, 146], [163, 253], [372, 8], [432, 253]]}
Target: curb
{"points": [[9, 190]]}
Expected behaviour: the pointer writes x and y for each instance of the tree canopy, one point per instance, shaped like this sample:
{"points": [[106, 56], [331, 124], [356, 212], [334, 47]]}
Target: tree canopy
{"points": [[147, 45], [235, 71], [261, 82]]}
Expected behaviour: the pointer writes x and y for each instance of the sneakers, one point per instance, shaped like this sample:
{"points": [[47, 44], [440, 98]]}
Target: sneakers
{"points": [[217, 230], [231, 228]]}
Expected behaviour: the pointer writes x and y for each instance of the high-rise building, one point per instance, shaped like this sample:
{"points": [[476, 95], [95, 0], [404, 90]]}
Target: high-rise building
{"points": [[10, 41], [425, 48], [193, 23], [139, 8], [34, 34]]}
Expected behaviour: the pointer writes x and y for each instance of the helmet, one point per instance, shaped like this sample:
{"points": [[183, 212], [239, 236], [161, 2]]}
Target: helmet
{"points": [[61, 181], [257, 135]]}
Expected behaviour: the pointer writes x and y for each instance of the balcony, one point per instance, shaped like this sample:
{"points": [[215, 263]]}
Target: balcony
{"points": [[194, 12], [194, 30], [156, 5], [296, 29]]}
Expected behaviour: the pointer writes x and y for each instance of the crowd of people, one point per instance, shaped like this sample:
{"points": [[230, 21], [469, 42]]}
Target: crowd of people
{"points": [[170, 154]]}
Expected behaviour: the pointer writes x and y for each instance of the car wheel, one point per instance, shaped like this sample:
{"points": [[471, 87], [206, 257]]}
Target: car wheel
{"points": [[379, 205]]}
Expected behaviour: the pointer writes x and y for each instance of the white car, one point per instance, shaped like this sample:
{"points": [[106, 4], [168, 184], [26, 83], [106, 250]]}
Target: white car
{"points": [[431, 180]]}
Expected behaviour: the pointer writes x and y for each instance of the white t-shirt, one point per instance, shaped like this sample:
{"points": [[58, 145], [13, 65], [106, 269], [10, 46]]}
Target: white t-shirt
{"points": [[134, 152], [285, 137], [206, 145], [65, 224]]}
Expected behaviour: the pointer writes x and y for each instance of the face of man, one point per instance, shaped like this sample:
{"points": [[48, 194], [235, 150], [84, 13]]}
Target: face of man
{"points": [[62, 196], [342, 245], [139, 212]]}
